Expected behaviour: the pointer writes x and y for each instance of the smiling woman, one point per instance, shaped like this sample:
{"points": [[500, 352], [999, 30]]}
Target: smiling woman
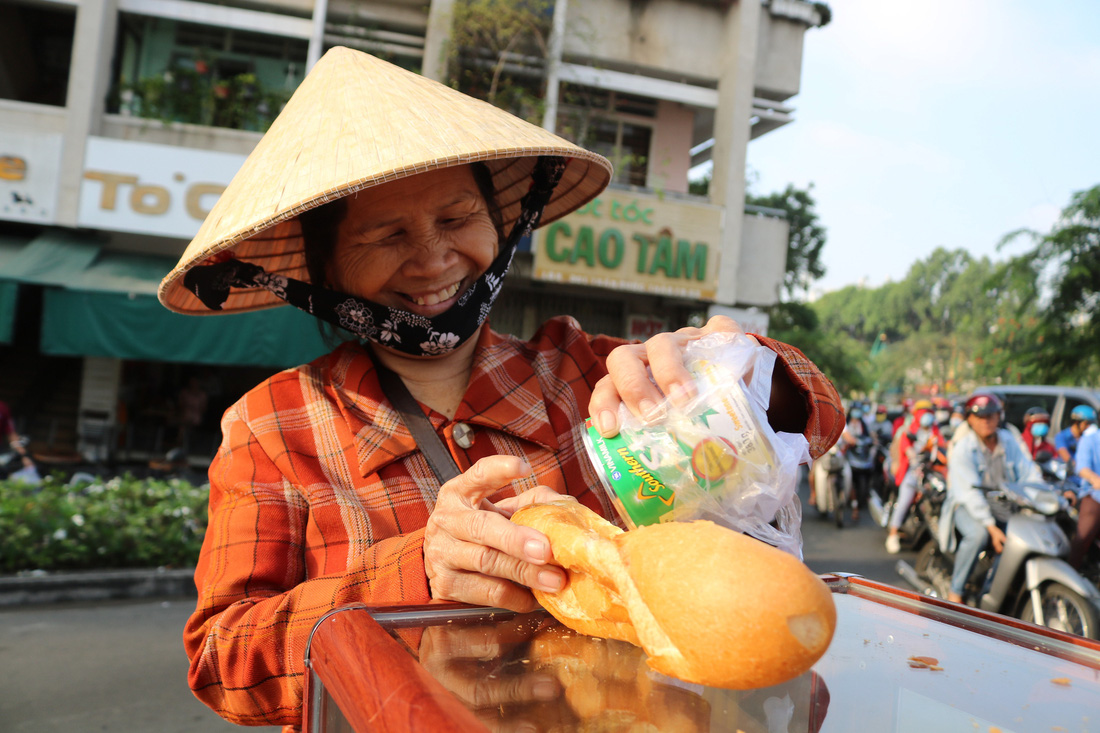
{"points": [[386, 471]]}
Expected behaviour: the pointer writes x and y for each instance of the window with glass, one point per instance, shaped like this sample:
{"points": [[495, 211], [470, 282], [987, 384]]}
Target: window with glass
{"points": [[36, 46], [616, 125], [206, 75]]}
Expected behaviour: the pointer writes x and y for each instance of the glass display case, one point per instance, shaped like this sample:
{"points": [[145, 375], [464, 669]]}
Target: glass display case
{"points": [[898, 662]]}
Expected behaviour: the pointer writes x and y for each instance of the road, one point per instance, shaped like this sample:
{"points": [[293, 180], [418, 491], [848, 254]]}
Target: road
{"points": [[120, 666]]}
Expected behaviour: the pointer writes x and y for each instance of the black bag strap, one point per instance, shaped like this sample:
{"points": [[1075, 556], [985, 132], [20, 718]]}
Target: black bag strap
{"points": [[439, 458]]}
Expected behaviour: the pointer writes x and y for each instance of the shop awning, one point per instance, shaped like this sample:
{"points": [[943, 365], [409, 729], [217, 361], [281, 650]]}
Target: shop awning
{"points": [[103, 303], [68, 260], [9, 290]]}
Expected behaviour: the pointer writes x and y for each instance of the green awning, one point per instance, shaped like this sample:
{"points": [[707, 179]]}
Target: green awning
{"points": [[103, 303], [124, 326], [68, 260], [10, 247], [9, 294]]}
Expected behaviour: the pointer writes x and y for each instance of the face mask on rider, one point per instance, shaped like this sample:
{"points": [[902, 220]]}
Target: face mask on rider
{"points": [[926, 419], [956, 421], [1040, 430]]}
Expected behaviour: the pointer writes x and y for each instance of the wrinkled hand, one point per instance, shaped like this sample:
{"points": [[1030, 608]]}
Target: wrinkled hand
{"points": [[484, 667], [642, 375], [474, 554], [997, 535]]}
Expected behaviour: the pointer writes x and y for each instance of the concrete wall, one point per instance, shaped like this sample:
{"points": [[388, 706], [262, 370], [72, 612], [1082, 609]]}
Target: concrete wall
{"points": [[409, 13], [36, 117], [672, 36], [763, 259], [218, 139], [778, 57], [670, 156]]}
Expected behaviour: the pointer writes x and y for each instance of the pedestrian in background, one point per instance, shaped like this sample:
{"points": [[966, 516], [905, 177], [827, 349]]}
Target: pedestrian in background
{"points": [[15, 441]]}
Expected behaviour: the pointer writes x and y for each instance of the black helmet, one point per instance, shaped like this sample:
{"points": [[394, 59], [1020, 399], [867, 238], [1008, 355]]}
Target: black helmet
{"points": [[983, 404]]}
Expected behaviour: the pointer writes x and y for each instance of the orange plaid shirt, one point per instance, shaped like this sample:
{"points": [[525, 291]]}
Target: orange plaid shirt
{"points": [[319, 496]]}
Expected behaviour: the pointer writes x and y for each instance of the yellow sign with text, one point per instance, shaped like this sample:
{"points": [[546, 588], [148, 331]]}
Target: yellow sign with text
{"points": [[637, 242]]}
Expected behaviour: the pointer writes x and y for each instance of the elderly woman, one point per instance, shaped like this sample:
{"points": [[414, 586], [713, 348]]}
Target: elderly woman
{"points": [[386, 471]]}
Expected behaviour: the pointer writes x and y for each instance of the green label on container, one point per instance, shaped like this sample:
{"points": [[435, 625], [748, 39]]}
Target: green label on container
{"points": [[641, 494]]}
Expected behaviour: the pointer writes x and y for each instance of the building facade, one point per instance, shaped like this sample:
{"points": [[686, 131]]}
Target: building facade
{"points": [[122, 120]]}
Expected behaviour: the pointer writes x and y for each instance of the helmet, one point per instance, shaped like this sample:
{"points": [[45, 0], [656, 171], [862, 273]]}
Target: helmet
{"points": [[983, 404], [1083, 413], [922, 405], [907, 404], [1036, 414], [941, 403], [880, 410]]}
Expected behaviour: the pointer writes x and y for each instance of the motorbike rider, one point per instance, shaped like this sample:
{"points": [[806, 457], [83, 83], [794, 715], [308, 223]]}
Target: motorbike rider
{"points": [[856, 429], [906, 414], [819, 476], [1065, 442], [882, 429], [942, 406], [920, 447], [957, 418], [1036, 430], [1087, 462], [982, 454]]}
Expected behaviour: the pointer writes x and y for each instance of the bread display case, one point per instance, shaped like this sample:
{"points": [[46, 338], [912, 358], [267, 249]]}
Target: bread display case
{"points": [[898, 662]]}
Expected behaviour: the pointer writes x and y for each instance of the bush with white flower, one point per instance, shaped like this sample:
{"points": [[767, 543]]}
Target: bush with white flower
{"points": [[123, 522]]}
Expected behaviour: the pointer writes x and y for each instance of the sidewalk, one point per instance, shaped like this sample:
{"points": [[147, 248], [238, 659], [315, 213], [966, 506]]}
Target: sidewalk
{"points": [[96, 585]]}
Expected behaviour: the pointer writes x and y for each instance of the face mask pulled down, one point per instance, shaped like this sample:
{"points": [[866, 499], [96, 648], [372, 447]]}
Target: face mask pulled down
{"points": [[393, 328]]}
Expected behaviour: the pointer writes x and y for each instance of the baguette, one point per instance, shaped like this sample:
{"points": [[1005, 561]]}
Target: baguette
{"points": [[707, 604]]}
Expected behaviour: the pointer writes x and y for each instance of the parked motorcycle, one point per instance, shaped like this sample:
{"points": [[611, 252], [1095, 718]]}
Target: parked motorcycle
{"points": [[1030, 579]]}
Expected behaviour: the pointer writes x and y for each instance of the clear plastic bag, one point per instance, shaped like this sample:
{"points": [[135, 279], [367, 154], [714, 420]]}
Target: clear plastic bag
{"points": [[715, 457]]}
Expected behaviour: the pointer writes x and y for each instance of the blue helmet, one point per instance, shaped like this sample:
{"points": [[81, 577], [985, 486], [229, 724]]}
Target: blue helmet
{"points": [[1083, 413]]}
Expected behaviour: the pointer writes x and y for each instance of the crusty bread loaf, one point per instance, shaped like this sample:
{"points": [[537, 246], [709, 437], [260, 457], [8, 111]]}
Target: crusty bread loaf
{"points": [[708, 605]]}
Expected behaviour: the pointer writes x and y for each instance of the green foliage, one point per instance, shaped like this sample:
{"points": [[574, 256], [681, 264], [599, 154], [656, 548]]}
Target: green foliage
{"points": [[840, 357], [498, 51], [194, 95], [806, 239], [1069, 257], [123, 522]]}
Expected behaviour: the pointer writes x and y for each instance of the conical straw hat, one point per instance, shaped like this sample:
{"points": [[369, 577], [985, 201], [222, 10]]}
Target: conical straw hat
{"points": [[355, 122]]}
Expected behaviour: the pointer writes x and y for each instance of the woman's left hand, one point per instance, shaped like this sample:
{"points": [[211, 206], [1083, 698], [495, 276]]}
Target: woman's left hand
{"points": [[629, 370], [473, 553]]}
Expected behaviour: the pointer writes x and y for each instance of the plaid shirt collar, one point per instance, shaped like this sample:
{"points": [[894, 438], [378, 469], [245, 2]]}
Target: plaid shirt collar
{"points": [[504, 395]]}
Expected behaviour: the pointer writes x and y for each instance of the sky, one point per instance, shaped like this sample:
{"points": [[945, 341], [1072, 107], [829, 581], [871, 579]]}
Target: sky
{"points": [[939, 123]]}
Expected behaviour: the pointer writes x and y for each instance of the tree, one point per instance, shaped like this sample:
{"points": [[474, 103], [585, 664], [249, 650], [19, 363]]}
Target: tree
{"points": [[498, 53], [806, 239], [1069, 256], [838, 356]]}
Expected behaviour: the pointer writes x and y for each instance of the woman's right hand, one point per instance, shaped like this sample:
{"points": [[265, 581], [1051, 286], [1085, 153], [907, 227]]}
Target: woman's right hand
{"points": [[474, 554]]}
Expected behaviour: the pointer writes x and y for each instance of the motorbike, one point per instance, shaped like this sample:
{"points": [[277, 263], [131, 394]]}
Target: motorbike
{"points": [[830, 495], [922, 518], [1030, 579], [863, 459]]}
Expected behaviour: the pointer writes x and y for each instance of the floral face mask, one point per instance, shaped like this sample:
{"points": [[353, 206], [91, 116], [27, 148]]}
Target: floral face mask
{"points": [[391, 327]]}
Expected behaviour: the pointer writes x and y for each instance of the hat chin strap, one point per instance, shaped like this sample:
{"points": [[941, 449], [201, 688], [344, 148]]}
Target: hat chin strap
{"points": [[393, 328]]}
